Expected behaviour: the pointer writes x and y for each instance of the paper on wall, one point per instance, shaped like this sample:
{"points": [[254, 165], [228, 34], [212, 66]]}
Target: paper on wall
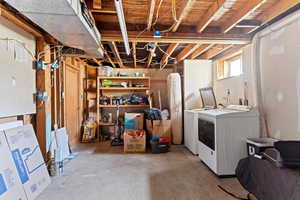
{"points": [[28, 159], [10, 184]]}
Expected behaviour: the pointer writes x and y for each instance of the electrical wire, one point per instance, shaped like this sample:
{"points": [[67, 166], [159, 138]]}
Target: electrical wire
{"points": [[23, 45]]}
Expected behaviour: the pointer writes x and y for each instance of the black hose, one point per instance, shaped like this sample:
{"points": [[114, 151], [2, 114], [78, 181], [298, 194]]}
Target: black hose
{"points": [[233, 195]]}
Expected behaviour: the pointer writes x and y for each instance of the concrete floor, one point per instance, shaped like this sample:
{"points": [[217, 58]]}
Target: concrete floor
{"points": [[104, 172]]}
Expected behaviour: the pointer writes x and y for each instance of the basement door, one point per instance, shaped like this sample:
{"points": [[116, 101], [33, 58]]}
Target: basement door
{"points": [[72, 104]]}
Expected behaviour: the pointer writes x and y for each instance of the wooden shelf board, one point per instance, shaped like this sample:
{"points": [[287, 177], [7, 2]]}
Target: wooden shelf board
{"points": [[106, 124], [128, 88], [124, 106], [123, 78]]}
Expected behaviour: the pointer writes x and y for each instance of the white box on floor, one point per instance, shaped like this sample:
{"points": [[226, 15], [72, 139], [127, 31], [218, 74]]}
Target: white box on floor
{"points": [[28, 159], [10, 185]]}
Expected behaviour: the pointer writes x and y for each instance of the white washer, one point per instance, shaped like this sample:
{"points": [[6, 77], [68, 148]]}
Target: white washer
{"points": [[222, 135]]}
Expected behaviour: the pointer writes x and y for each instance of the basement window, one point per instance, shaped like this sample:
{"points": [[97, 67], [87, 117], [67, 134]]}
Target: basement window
{"points": [[230, 67]]}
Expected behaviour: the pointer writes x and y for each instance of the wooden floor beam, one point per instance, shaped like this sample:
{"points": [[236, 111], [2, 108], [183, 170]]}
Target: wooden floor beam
{"points": [[245, 10], [151, 4], [279, 8], [188, 38], [183, 13], [118, 54], [187, 51], [216, 50], [208, 17], [168, 54], [202, 49]]}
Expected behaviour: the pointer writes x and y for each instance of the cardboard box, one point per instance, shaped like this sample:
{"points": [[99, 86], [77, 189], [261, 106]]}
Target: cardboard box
{"points": [[134, 121], [10, 184], [28, 159], [134, 141], [160, 128]]}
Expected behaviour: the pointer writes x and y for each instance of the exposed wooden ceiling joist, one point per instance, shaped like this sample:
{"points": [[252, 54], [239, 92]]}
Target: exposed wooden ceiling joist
{"points": [[117, 54], [107, 55], [187, 51], [207, 18], [184, 12], [216, 50], [168, 54], [97, 4], [150, 13], [280, 7], [189, 38], [134, 53], [248, 24], [103, 11], [242, 13], [150, 56], [202, 49]]}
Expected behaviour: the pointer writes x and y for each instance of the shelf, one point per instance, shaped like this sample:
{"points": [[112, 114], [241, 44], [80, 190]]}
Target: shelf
{"points": [[123, 78], [106, 124], [128, 88], [124, 106]]}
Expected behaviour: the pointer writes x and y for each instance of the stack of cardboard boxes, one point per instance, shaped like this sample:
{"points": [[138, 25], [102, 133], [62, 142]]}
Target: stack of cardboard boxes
{"points": [[134, 135]]}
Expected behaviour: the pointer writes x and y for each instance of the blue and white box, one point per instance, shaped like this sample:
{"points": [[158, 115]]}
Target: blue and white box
{"points": [[28, 160], [10, 185]]}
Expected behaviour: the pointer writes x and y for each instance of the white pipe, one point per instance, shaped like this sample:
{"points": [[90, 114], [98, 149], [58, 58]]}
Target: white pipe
{"points": [[120, 13]]}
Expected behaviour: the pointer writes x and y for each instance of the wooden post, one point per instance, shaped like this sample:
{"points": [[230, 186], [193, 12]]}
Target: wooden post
{"points": [[43, 84]]}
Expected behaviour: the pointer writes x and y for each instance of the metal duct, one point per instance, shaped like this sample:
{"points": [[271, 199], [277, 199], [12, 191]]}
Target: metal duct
{"points": [[62, 19]]}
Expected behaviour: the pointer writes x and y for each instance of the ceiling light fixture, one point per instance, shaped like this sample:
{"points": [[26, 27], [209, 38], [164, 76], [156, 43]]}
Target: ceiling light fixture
{"points": [[120, 13]]}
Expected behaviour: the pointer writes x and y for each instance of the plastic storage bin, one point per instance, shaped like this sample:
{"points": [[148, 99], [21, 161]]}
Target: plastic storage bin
{"points": [[259, 145]]}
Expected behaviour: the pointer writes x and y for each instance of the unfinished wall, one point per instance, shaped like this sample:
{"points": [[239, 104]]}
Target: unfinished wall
{"points": [[17, 78], [279, 68], [280, 78]]}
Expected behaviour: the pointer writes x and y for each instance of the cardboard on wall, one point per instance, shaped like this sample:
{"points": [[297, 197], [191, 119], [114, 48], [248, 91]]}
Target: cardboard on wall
{"points": [[10, 185], [134, 141], [160, 128], [134, 121], [28, 160]]}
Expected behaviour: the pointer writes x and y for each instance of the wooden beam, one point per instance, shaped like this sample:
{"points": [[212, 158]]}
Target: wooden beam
{"points": [[168, 53], [208, 17], [97, 4], [150, 13], [216, 50], [103, 11], [244, 11], [187, 51], [19, 22], [43, 110], [134, 53], [184, 12], [117, 54], [202, 49], [248, 24], [279, 8], [188, 38], [107, 55], [150, 56]]}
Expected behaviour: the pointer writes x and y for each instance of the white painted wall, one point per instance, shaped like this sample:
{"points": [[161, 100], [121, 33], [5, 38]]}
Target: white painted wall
{"points": [[197, 74], [17, 79]]}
